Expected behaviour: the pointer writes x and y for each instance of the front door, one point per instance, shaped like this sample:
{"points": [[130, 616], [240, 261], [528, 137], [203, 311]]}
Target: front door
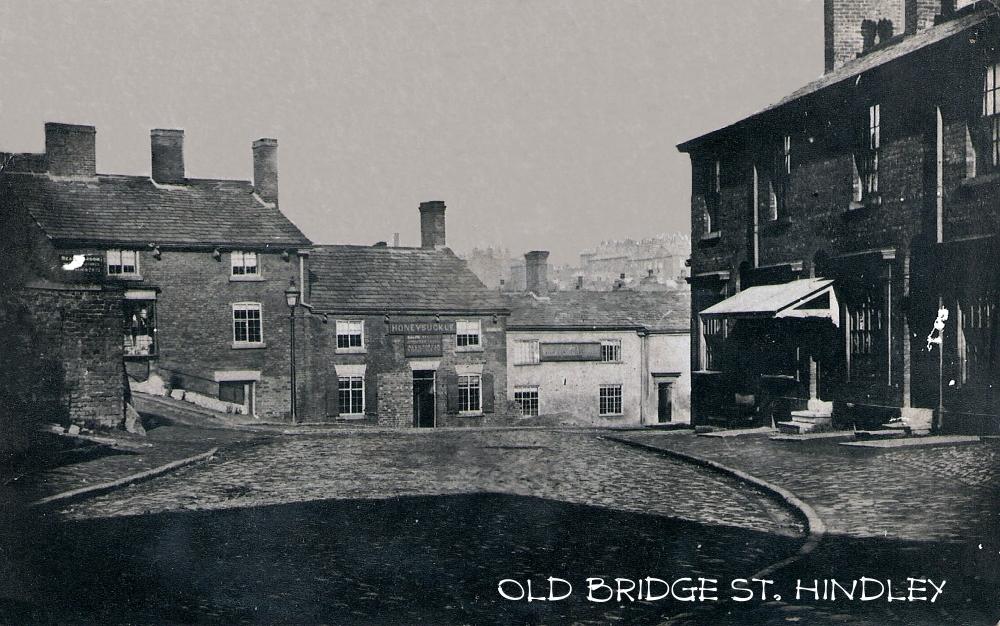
{"points": [[664, 409], [423, 398]]}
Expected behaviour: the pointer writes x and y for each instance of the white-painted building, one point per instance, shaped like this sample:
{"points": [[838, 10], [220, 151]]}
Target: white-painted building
{"points": [[607, 358]]}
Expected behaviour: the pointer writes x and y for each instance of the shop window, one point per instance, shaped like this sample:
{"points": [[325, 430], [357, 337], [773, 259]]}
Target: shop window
{"points": [[977, 339], [610, 400], [122, 263], [140, 327], [470, 392], [866, 325], [244, 264], [351, 395], [247, 324], [527, 399], [350, 335], [468, 333], [526, 352]]}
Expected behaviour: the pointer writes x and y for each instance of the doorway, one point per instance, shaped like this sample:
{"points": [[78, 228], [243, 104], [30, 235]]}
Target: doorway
{"points": [[239, 392], [423, 399], [664, 405]]}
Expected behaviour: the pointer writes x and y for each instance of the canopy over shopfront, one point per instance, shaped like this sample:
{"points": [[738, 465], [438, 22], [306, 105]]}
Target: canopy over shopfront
{"points": [[806, 298]]}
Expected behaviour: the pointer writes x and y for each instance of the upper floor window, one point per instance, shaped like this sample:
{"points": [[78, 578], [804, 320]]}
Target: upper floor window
{"points": [[244, 263], [350, 334], [782, 171], [122, 263], [247, 324], [713, 196], [611, 351], [866, 184], [526, 352], [988, 142], [468, 333]]}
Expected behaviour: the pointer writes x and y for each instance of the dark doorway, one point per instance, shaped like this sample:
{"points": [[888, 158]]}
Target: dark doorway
{"points": [[423, 398], [664, 408]]}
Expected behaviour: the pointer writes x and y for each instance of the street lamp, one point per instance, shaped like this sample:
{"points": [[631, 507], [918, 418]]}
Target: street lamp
{"points": [[292, 299]]}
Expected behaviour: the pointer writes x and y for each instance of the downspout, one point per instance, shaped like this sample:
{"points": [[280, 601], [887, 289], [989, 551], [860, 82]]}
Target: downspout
{"points": [[644, 373]]}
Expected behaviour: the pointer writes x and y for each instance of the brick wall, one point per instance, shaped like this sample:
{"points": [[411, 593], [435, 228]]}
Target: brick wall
{"points": [[842, 25]]}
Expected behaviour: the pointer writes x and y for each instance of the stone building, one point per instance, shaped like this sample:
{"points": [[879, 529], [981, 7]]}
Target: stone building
{"points": [[607, 358], [829, 228], [201, 264], [404, 337]]}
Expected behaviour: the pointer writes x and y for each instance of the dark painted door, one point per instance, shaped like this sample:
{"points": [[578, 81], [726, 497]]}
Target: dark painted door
{"points": [[423, 399], [664, 410]]}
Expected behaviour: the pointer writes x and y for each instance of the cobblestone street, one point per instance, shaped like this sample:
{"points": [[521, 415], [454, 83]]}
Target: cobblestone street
{"points": [[399, 528]]}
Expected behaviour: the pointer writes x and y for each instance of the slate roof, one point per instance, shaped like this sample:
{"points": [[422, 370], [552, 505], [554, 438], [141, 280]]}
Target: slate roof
{"points": [[577, 310], [852, 69], [120, 210], [382, 279]]}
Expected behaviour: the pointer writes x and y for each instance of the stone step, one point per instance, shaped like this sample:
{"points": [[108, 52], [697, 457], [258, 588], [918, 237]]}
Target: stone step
{"points": [[886, 433], [814, 417], [798, 428]]}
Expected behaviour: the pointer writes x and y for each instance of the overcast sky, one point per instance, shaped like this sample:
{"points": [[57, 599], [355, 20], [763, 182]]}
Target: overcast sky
{"points": [[543, 124]]}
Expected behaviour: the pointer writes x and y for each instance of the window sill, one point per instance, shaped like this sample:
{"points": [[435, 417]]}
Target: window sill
{"points": [[980, 181], [611, 362], [525, 364], [470, 413], [246, 279], [611, 414], [351, 416], [710, 238], [139, 357], [125, 277], [468, 348], [855, 208], [361, 350], [246, 345]]}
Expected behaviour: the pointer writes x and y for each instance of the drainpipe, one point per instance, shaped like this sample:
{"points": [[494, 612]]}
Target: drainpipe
{"points": [[644, 373]]}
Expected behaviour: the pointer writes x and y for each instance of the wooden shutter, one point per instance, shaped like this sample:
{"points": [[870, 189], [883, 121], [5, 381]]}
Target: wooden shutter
{"points": [[332, 394], [451, 392], [488, 399], [371, 392]]}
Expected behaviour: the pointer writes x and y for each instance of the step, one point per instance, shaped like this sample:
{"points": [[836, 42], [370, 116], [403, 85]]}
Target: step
{"points": [[833, 434], [815, 417], [887, 433], [797, 428]]}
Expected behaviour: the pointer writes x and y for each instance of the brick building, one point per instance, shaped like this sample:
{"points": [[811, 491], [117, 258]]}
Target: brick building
{"points": [[828, 228], [598, 357], [201, 264], [403, 337]]}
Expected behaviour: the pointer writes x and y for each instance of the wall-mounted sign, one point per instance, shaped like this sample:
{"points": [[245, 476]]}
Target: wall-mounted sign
{"points": [[422, 345], [576, 351], [422, 328]]}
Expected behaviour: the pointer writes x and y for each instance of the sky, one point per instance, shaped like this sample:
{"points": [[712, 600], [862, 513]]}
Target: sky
{"points": [[543, 124]]}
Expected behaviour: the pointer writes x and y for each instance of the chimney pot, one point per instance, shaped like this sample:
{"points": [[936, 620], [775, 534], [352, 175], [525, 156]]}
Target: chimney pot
{"points": [[70, 149], [265, 169], [167, 148], [432, 231], [536, 268]]}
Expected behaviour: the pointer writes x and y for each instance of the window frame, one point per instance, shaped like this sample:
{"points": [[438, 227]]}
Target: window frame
{"points": [[360, 334], [528, 389], [611, 347], [238, 261], [247, 307], [355, 390], [606, 402], [121, 273], [460, 336], [868, 157], [533, 350], [866, 340], [467, 386]]}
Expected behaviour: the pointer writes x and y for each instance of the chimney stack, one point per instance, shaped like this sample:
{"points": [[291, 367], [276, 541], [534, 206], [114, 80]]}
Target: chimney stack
{"points": [[432, 224], [536, 268], [167, 148], [70, 149], [395, 240], [265, 169]]}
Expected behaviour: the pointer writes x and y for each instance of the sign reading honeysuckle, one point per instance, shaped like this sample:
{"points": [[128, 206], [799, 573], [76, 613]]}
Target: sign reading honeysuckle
{"points": [[429, 327]]}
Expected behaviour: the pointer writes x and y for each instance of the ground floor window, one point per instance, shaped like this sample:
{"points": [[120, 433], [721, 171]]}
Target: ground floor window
{"points": [[866, 325], [611, 400], [715, 331], [351, 392], [977, 338], [470, 392], [527, 399]]}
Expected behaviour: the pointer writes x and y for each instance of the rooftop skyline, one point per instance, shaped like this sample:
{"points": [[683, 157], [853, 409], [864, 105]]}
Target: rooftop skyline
{"points": [[525, 118]]}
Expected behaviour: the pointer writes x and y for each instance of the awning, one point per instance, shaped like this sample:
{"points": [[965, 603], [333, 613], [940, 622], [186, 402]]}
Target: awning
{"points": [[806, 298]]}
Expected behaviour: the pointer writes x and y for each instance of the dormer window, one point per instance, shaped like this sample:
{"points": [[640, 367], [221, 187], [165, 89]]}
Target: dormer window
{"points": [[123, 263]]}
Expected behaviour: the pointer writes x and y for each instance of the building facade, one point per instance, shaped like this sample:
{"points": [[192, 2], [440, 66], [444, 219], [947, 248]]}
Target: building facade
{"points": [[601, 358], [403, 337], [829, 230], [201, 264]]}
